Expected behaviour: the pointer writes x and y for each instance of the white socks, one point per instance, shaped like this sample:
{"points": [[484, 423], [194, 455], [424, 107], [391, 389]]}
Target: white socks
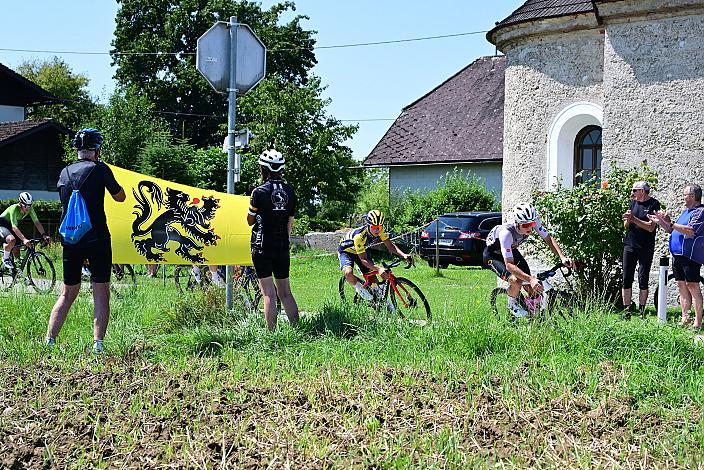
{"points": [[6, 254], [363, 293]]}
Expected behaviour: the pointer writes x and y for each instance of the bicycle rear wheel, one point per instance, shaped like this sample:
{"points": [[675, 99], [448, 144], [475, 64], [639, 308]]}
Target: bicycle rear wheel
{"points": [[40, 272], [409, 302], [247, 292]]}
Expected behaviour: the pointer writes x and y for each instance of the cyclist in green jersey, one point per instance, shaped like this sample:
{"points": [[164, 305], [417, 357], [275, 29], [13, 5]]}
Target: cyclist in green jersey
{"points": [[9, 226]]}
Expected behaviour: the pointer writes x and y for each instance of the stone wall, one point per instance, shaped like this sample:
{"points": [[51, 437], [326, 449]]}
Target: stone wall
{"points": [[543, 76]]}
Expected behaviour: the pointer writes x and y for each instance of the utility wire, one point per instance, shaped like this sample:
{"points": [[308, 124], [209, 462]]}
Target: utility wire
{"points": [[336, 46]]}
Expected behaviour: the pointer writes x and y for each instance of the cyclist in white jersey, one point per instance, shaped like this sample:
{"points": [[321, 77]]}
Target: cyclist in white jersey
{"points": [[501, 254]]}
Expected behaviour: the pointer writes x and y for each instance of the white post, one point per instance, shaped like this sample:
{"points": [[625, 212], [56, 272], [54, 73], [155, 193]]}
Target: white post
{"points": [[662, 290]]}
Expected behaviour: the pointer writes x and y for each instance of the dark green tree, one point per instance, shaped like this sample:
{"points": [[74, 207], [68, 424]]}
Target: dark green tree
{"points": [[285, 111], [292, 119], [128, 123], [172, 81], [166, 158], [56, 77]]}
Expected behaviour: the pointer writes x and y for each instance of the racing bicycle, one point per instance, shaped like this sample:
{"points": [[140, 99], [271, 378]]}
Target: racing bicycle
{"points": [[552, 301], [395, 294], [247, 293], [33, 267]]}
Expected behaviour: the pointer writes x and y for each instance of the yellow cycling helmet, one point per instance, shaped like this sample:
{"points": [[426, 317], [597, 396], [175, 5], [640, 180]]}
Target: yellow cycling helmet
{"points": [[374, 217]]}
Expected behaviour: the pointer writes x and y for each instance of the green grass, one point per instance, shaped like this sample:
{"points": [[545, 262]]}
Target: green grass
{"points": [[185, 383]]}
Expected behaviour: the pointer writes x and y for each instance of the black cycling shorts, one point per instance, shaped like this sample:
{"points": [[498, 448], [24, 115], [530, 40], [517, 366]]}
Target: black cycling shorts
{"points": [[98, 253], [494, 260], [685, 269], [276, 262], [644, 258]]}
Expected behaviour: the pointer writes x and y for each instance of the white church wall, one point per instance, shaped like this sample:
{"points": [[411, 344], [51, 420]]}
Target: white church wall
{"points": [[545, 76]]}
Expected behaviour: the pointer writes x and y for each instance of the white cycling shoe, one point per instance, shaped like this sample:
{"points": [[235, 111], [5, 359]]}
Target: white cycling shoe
{"points": [[518, 311]]}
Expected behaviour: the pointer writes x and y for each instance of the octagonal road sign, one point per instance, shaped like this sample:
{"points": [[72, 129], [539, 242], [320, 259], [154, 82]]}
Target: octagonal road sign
{"points": [[213, 57]]}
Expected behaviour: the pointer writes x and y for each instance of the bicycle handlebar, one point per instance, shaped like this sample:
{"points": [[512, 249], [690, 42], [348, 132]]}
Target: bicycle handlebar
{"points": [[393, 264], [39, 241], [553, 271]]}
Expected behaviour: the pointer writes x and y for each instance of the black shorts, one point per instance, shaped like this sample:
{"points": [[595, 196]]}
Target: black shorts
{"points": [[268, 262], [644, 258], [99, 256], [495, 261], [685, 269]]}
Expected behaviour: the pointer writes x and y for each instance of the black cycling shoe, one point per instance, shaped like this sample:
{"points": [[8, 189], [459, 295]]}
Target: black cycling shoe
{"points": [[627, 312]]}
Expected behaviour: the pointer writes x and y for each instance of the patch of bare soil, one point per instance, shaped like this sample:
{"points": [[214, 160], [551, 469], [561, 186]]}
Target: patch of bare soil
{"points": [[138, 414]]}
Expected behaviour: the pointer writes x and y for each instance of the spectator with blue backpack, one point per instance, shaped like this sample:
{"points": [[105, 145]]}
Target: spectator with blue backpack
{"points": [[84, 233], [687, 248]]}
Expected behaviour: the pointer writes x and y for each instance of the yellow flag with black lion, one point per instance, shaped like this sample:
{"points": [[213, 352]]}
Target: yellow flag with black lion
{"points": [[168, 223]]}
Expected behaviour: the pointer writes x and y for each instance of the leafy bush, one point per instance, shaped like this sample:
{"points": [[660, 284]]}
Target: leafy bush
{"points": [[305, 224], [455, 192], [586, 220]]}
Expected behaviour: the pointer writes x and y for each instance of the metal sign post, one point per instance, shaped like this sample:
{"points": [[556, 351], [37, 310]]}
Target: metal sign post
{"points": [[233, 167], [232, 59]]}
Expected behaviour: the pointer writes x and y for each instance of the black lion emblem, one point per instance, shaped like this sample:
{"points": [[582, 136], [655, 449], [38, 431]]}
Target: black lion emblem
{"points": [[184, 222]]}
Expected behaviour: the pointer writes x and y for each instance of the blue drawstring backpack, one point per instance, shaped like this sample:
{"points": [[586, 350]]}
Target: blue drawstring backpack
{"points": [[76, 221]]}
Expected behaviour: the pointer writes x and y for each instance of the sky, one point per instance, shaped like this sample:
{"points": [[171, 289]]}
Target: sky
{"points": [[367, 84]]}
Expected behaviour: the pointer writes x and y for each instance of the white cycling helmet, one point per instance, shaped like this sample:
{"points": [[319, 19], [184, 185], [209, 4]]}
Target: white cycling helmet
{"points": [[524, 213], [26, 198], [272, 159]]}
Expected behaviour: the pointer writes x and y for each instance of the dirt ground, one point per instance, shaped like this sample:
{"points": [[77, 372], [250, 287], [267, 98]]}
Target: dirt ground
{"points": [[134, 414]]}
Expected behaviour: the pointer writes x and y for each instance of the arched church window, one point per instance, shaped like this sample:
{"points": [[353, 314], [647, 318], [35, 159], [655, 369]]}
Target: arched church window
{"points": [[587, 154]]}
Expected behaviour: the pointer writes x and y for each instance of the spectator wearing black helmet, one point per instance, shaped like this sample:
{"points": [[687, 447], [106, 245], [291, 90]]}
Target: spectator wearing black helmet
{"points": [[92, 178], [271, 212]]}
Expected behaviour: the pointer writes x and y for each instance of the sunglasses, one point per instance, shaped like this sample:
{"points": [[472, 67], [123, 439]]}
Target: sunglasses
{"points": [[376, 227], [636, 189], [528, 225]]}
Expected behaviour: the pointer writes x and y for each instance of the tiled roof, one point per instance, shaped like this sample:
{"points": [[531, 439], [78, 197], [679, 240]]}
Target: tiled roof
{"points": [[461, 120], [15, 90], [533, 10], [10, 131]]}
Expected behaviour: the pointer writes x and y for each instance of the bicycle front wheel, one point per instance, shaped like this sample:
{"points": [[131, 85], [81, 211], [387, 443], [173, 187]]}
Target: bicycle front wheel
{"points": [[560, 303], [409, 302], [40, 272]]}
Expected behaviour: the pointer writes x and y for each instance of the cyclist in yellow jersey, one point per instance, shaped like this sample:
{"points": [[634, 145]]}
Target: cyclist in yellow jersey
{"points": [[353, 250]]}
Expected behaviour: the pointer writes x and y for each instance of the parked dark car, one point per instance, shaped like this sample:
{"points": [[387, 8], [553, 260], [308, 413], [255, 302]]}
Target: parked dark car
{"points": [[462, 238]]}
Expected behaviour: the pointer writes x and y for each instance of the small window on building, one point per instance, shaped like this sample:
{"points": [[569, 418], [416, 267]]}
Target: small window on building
{"points": [[587, 154]]}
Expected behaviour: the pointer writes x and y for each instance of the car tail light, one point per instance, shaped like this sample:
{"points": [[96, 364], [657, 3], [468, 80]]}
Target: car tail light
{"points": [[469, 235], [424, 234]]}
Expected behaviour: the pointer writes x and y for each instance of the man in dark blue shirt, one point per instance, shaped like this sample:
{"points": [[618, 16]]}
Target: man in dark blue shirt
{"points": [[687, 271], [92, 178]]}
